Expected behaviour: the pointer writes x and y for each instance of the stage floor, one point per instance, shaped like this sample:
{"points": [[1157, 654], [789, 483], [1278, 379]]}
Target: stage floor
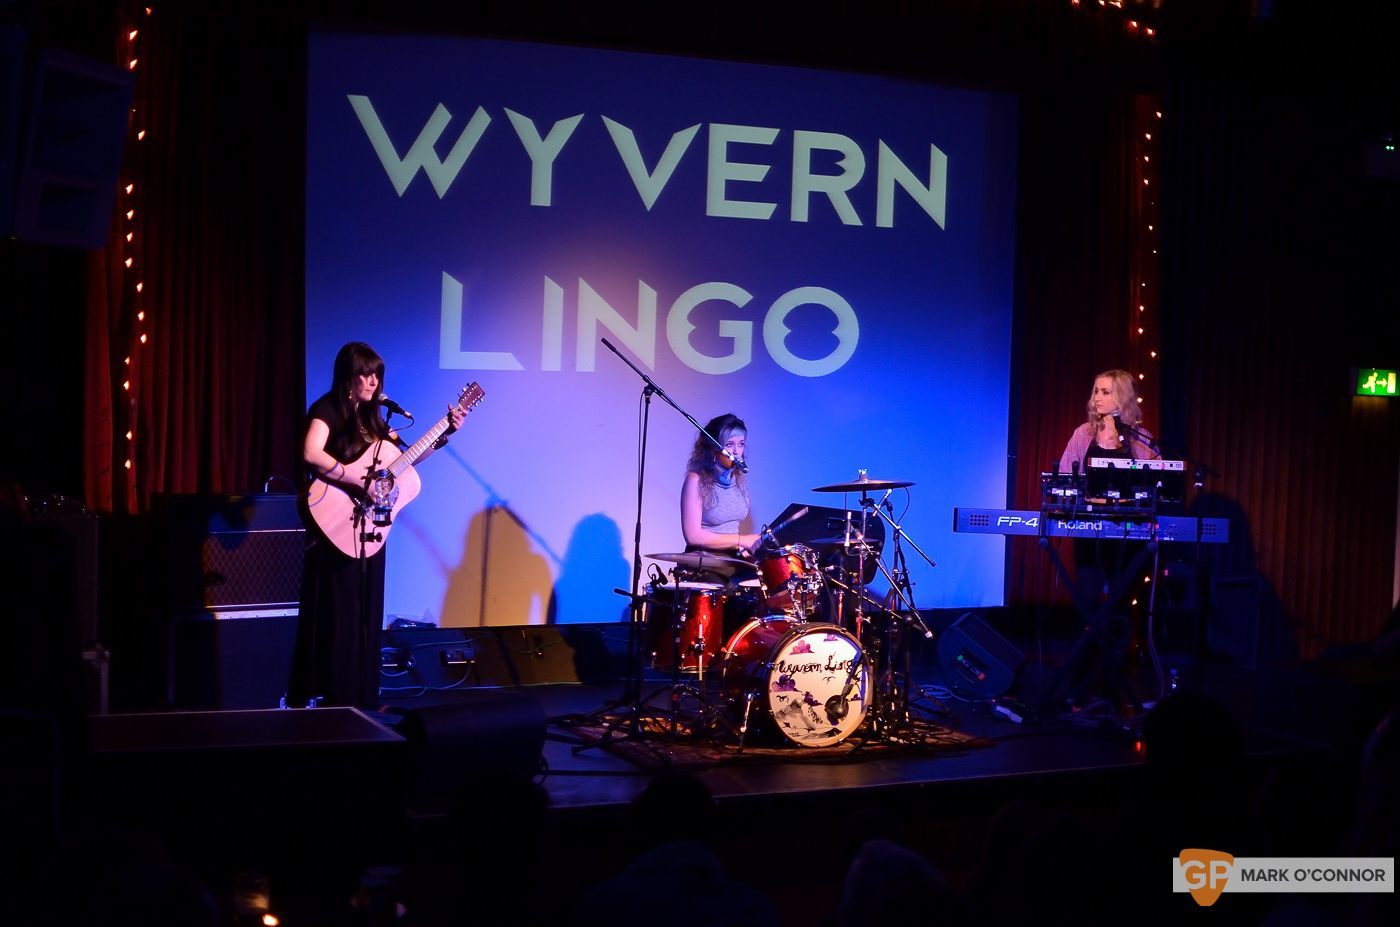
{"points": [[989, 749]]}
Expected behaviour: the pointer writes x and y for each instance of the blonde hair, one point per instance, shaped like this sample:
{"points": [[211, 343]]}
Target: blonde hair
{"points": [[1123, 393]]}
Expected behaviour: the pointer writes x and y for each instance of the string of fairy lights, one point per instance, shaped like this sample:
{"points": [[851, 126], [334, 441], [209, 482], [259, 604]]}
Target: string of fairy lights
{"points": [[1136, 18], [134, 328], [1134, 14], [1146, 129], [1148, 121]]}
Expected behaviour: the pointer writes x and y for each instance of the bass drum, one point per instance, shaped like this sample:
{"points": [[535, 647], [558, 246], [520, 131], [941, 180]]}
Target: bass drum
{"points": [[806, 682]]}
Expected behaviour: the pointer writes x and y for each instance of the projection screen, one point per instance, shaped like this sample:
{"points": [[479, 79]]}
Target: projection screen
{"points": [[826, 255]]}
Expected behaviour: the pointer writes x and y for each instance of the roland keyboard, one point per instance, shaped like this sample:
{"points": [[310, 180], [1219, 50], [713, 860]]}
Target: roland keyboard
{"points": [[1093, 525]]}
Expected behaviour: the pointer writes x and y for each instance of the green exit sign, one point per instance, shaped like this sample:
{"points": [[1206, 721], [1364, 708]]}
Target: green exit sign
{"points": [[1373, 381]]}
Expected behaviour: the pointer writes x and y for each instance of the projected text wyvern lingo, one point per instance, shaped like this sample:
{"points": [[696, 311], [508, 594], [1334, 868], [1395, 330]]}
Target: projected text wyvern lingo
{"points": [[723, 169]]}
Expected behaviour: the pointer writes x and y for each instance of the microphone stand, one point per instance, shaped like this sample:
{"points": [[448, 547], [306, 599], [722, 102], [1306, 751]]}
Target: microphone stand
{"points": [[375, 512], [1200, 470], [632, 696], [365, 533]]}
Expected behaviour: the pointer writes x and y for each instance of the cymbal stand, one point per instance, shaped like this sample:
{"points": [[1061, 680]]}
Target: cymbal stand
{"points": [[892, 699]]}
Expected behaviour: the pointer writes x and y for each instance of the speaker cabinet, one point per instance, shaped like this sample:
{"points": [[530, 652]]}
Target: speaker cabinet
{"points": [[232, 659], [977, 661], [72, 148], [231, 551], [1235, 609], [11, 93], [232, 583], [78, 533]]}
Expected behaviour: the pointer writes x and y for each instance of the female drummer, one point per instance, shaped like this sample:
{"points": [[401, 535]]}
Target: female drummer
{"points": [[715, 495]]}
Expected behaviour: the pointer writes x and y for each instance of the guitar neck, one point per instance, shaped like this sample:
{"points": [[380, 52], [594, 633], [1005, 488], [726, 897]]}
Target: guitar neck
{"points": [[420, 447]]}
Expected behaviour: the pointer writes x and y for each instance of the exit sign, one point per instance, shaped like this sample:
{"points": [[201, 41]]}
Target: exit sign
{"points": [[1373, 381]]}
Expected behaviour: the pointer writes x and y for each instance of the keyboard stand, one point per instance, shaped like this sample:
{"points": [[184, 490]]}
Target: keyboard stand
{"points": [[1095, 644]]}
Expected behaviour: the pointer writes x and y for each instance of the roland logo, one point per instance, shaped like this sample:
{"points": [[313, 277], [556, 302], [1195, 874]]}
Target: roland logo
{"points": [[1080, 525]]}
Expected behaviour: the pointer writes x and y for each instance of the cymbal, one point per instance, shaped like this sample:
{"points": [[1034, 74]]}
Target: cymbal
{"points": [[864, 485], [706, 561]]}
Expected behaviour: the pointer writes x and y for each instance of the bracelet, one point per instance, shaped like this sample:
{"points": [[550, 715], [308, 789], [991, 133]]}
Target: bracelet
{"points": [[440, 443]]}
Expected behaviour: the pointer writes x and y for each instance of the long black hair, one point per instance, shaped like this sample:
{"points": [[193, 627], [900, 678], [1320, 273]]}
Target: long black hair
{"points": [[354, 360]]}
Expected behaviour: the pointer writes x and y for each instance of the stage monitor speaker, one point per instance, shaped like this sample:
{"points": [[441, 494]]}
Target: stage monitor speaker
{"points": [[977, 661], [478, 735], [71, 151], [302, 784]]}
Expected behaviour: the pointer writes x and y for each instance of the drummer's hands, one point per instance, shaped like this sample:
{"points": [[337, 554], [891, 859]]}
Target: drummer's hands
{"points": [[749, 544]]}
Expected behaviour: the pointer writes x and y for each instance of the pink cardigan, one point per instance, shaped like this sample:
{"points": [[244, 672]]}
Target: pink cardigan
{"points": [[1082, 437]]}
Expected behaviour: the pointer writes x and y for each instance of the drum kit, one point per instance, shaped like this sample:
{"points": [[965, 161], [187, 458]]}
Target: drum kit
{"points": [[788, 645]]}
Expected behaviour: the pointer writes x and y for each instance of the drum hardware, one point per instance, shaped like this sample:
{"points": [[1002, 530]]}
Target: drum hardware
{"points": [[889, 696], [749, 696], [791, 579]]}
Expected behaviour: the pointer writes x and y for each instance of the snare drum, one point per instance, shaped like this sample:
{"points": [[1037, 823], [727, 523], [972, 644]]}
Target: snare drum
{"points": [[689, 629], [806, 682], [790, 577]]}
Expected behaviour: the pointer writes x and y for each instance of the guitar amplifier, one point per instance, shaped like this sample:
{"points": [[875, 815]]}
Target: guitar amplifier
{"points": [[231, 551], [232, 591]]}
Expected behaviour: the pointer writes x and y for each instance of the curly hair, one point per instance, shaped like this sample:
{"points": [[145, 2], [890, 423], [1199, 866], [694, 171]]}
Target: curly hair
{"points": [[703, 453]]}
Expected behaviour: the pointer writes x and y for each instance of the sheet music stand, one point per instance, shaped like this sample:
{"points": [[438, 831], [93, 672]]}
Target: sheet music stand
{"points": [[823, 528]]}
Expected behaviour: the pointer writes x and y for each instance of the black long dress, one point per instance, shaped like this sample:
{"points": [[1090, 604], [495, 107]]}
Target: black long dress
{"points": [[336, 658]]}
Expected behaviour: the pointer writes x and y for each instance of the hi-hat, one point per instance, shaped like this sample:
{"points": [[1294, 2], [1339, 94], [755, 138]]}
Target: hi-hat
{"points": [[864, 485], [706, 562]]}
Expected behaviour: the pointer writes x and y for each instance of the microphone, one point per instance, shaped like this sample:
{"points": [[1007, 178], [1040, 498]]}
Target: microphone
{"points": [[1123, 426], [839, 704], [394, 408], [735, 461]]}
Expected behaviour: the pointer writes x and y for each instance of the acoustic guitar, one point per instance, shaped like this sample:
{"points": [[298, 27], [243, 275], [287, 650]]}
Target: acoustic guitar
{"points": [[356, 526]]}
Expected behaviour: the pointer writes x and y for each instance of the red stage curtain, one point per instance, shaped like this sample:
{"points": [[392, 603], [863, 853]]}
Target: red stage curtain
{"points": [[216, 391]]}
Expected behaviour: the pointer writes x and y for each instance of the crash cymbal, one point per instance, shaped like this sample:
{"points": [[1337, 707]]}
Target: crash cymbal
{"points": [[864, 485], [706, 562]]}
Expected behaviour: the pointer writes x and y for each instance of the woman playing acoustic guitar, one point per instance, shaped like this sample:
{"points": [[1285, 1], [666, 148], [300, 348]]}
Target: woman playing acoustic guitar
{"points": [[336, 660]]}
